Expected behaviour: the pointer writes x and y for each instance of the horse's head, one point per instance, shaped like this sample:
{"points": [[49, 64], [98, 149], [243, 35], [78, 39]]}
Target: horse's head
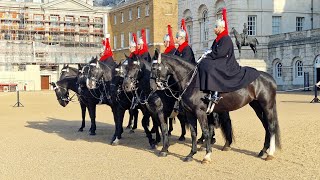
{"points": [[83, 71], [95, 74], [62, 93], [133, 73], [118, 75], [159, 73]]}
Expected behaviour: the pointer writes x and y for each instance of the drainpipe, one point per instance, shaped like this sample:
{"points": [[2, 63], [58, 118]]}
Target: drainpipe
{"points": [[311, 14]]}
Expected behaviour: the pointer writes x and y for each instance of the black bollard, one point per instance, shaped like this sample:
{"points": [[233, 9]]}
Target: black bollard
{"points": [[315, 99], [18, 104]]}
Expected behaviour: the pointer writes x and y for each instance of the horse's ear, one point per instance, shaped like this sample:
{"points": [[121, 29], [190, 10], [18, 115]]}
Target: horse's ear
{"points": [[156, 54], [79, 67], [67, 65], [127, 57], [53, 84]]}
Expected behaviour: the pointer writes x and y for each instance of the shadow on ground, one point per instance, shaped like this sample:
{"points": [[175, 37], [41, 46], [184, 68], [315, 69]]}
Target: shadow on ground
{"points": [[68, 130]]}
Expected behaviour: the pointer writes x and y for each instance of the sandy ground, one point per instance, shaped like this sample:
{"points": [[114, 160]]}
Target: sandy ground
{"points": [[40, 141]]}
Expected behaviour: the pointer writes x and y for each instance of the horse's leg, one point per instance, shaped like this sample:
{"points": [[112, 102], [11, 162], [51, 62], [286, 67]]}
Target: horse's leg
{"points": [[193, 129], [182, 119], [271, 115], [170, 126], [145, 123], [83, 113], [130, 119], [226, 127], [165, 135], [92, 113], [260, 113], [203, 121], [135, 118], [118, 114]]}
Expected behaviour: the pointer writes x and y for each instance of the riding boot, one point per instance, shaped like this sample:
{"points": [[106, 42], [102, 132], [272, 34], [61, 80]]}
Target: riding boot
{"points": [[214, 97]]}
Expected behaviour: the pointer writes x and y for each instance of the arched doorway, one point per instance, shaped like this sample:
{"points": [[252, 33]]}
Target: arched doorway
{"points": [[317, 69]]}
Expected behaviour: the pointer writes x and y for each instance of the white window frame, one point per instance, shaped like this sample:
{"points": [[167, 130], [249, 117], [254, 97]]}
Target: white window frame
{"points": [[147, 9], [114, 19], [148, 35], [122, 17], [299, 69], [138, 12], [278, 70], [114, 42], [299, 23], [252, 25], [122, 40], [276, 25], [204, 31], [130, 14], [130, 37]]}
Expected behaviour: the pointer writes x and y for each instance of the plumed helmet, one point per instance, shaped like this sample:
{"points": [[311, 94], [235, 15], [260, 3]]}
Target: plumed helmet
{"points": [[181, 33], [166, 37], [132, 44], [140, 41], [220, 23]]}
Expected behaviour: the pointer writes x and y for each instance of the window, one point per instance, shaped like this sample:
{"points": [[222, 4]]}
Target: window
{"points": [[138, 11], [130, 14], [276, 24], [54, 20], [298, 67], [147, 9], [38, 20], [148, 35], [69, 20], [138, 34], [122, 17], [114, 19], [98, 22], [204, 32], [84, 21], [299, 23], [278, 70], [252, 24], [114, 42], [130, 37], [189, 29], [122, 40]]}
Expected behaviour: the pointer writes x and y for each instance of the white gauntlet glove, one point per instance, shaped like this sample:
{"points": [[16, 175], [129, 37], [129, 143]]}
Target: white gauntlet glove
{"points": [[204, 55]]}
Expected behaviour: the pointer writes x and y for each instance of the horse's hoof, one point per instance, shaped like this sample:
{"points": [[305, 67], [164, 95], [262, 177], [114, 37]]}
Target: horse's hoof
{"points": [[163, 154], [153, 146], [115, 142], [80, 130], [188, 159], [182, 138], [269, 158], [200, 141], [128, 127], [131, 131], [213, 140], [92, 133], [226, 148], [205, 161], [261, 154], [169, 133]]}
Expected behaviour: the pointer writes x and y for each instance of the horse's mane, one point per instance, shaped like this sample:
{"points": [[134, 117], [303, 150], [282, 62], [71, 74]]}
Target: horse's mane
{"points": [[179, 59]]}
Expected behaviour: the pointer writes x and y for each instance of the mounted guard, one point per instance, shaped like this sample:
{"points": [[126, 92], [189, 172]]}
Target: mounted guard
{"points": [[184, 50], [169, 42], [218, 69], [143, 47], [106, 56]]}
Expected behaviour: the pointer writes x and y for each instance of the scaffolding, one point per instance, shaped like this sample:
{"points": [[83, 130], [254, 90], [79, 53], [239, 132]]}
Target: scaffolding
{"points": [[38, 38]]}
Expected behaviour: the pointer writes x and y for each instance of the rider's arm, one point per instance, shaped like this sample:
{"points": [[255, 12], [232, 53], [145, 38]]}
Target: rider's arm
{"points": [[222, 49]]}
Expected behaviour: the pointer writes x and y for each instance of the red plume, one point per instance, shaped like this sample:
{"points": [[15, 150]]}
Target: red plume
{"points": [[224, 17], [136, 42], [144, 39], [170, 36], [183, 26], [107, 50]]}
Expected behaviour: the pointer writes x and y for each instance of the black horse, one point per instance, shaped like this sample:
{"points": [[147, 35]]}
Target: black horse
{"points": [[102, 73], [161, 103], [88, 99], [260, 95]]}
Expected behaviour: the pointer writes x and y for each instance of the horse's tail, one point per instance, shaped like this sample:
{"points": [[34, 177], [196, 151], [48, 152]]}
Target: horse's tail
{"points": [[224, 122], [277, 129], [257, 41]]}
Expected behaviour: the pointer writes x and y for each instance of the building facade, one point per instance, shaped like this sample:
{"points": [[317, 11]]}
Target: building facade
{"points": [[289, 20], [38, 36], [133, 15]]}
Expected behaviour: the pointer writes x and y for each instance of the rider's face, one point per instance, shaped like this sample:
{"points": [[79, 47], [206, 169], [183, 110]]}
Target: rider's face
{"points": [[218, 30]]}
